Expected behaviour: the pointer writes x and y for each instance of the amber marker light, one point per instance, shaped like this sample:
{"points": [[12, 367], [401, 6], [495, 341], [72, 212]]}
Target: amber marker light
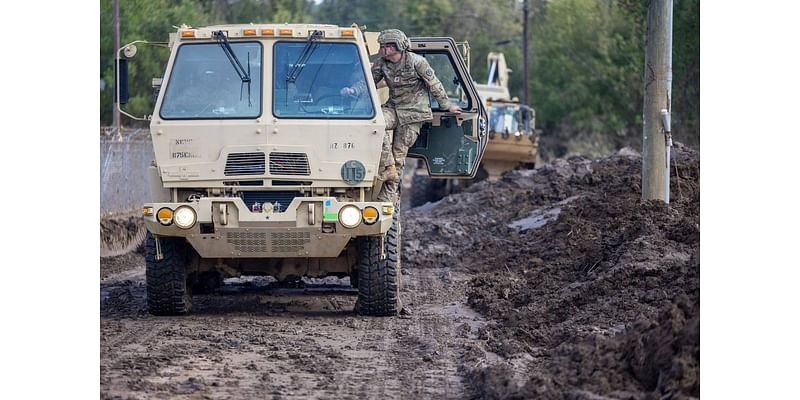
{"points": [[249, 32], [286, 32], [370, 215], [147, 211], [347, 32], [165, 216], [187, 34], [387, 210], [269, 32]]}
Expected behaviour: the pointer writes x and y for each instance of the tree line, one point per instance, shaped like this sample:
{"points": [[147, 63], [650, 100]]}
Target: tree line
{"points": [[586, 56]]}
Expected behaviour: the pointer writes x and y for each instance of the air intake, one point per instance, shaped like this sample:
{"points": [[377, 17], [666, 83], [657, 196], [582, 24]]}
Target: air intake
{"points": [[288, 164], [245, 164]]}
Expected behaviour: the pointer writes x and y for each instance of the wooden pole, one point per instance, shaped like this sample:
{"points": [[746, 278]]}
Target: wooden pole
{"points": [[117, 120], [657, 91], [525, 52]]}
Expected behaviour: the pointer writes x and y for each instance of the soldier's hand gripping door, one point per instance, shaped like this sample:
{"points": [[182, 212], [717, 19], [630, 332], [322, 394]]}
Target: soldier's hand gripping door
{"points": [[451, 145]]}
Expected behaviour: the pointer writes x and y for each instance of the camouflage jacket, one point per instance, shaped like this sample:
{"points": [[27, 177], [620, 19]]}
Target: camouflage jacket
{"points": [[409, 81]]}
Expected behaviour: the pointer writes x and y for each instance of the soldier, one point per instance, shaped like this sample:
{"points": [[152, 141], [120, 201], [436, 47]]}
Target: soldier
{"points": [[409, 78]]}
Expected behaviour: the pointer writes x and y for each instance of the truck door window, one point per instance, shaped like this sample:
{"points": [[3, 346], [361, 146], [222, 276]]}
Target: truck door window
{"points": [[446, 72], [204, 85], [316, 91]]}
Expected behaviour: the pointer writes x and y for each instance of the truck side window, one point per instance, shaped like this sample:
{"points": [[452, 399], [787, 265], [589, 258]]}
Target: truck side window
{"points": [[446, 72]]}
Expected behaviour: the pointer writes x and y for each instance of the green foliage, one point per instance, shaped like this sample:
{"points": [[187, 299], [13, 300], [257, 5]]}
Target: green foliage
{"points": [[588, 68], [151, 20], [586, 56]]}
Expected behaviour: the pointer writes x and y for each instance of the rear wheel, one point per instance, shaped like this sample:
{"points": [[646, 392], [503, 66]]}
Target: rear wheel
{"points": [[168, 291], [379, 272]]}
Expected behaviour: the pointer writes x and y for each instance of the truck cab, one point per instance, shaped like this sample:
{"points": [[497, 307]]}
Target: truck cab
{"points": [[263, 167]]}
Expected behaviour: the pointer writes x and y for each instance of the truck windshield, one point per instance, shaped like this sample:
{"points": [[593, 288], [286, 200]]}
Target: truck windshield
{"points": [[205, 85], [504, 119], [317, 91]]}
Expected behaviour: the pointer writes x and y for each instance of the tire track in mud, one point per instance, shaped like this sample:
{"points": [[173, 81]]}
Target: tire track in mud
{"points": [[289, 344]]}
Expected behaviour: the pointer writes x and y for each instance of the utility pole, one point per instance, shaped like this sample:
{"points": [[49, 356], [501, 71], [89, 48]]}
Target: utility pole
{"points": [[525, 52], [657, 102], [117, 121]]}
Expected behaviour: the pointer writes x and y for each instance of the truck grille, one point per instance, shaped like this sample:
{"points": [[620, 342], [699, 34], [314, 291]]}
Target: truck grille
{"points": [[280, 199], [245, 164], [289, 242], [248, 242], [289, 164], [280, 242]]}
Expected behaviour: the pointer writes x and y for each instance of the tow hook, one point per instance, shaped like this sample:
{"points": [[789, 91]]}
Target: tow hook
{"points": [[159, 255]]}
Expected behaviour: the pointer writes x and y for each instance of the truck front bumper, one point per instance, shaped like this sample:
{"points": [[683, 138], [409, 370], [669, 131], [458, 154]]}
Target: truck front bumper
{"points": [[310, 227]]}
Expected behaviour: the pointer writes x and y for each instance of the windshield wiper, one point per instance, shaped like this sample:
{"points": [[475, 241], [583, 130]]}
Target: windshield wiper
{"points": [[226, 47], [298, 66], [244, 75]]}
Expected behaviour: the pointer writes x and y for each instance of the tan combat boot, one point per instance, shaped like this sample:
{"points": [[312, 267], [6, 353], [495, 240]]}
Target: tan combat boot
{"points": [[389, 174]]}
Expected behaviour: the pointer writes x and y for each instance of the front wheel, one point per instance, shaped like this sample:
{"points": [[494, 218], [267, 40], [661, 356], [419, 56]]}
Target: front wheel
{"points": [[168, 291], [379, 272]]}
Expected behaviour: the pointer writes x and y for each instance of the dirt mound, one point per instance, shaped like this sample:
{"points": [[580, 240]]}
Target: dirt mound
{"points": [[121, 234], [595, 289]]}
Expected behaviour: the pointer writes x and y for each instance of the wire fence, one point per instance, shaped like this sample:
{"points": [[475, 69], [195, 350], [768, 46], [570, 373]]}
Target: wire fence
{"points": [[124, 159]]}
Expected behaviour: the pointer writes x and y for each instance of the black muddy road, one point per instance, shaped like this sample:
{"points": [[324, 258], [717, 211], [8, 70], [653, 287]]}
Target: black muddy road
{"points": [[251, 340]]}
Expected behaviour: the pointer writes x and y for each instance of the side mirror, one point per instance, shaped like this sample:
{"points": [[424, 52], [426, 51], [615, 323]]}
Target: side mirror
{"points": [[121, 89]]}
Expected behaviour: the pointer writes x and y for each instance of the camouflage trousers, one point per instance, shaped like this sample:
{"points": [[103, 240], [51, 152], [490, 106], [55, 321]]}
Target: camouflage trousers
{"points": [[396, 142]]}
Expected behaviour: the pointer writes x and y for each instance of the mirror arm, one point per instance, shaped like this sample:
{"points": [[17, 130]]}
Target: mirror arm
{"points": [[116, 76]]}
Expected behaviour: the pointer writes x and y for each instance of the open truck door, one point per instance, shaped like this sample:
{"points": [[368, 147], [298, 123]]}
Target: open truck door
{"points": [[452, 145]]}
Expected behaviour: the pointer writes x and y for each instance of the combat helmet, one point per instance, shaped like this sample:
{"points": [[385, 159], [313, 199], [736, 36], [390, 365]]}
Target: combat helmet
{"points": [[395, 36]]}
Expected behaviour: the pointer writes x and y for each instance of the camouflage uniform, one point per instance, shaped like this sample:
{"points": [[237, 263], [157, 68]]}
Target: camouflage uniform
{"points": [[408, 107]]}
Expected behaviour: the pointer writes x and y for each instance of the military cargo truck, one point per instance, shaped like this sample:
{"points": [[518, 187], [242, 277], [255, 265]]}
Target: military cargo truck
{"points": [[262, 167], [513, 140]]}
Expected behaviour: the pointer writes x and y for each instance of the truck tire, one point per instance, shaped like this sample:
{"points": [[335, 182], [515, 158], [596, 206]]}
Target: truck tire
{"points": [[379, 279], [168, 291], [354, 278]]}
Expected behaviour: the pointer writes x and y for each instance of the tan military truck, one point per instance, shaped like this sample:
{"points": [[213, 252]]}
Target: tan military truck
{"points": [[513, 140], [263, 167]]}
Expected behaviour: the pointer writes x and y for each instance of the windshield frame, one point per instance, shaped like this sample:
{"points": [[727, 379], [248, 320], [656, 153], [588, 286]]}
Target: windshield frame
{"points": [[367, 79], [254, 91]]}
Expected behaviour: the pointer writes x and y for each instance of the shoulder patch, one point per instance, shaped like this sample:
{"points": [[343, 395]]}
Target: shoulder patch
{"points": [[429, 72]]}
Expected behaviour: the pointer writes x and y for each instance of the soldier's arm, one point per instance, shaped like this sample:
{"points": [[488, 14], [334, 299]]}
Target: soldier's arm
{"points": [[427, 74], [377, 74]]}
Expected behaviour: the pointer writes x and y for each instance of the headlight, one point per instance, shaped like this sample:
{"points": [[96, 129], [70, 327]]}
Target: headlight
{"points": [[185, 217], [370, 215], [165, 216], [350, 216]]}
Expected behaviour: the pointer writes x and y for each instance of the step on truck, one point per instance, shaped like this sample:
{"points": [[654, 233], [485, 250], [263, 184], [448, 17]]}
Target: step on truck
{"points": [[262, 167]]}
